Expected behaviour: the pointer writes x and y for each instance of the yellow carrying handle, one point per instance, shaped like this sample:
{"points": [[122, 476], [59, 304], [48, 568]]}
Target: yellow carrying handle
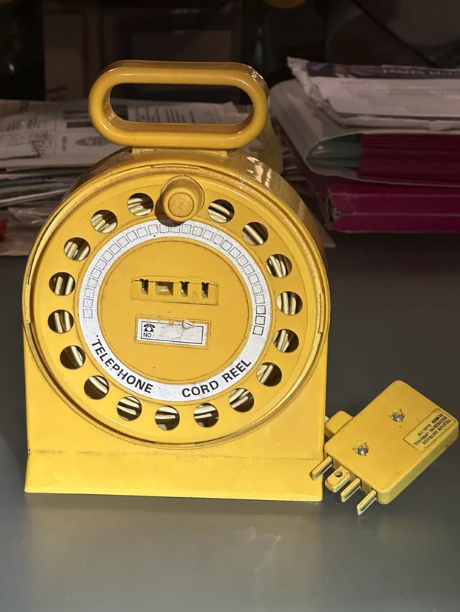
{"points": [[182, 135]]}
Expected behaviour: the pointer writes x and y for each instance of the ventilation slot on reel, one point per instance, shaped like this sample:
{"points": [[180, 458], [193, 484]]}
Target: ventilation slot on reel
{"points": [[206, 415], [129, 408], [279, 265], [167, 418], [62, 283], [73, 357], [241, 400], [289, 303], [140, 204], [255, 233], [286, 341], [221, 211], [77, 249], [269, 374], [96, 387], [60, 321], [104, 221]]}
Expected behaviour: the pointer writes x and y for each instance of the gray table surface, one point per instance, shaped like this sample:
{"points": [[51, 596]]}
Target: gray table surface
{"points": [[396, 315]]}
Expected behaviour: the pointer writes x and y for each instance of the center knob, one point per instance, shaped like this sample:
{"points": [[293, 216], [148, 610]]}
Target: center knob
{"points": [[181, 198]]}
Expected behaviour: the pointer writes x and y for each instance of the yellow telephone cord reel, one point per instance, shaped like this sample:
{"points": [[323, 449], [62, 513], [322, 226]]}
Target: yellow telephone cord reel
{"points": [[176, 312]]}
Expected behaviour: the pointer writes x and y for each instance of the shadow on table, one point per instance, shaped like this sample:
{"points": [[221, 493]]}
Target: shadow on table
{"points": [[12, 403]]}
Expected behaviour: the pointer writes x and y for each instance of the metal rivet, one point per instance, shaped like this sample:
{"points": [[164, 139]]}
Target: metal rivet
{"points": [[362, 449], [397, 416]]}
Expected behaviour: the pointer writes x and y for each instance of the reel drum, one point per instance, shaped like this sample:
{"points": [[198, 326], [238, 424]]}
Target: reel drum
{"points": [[176, 313]]}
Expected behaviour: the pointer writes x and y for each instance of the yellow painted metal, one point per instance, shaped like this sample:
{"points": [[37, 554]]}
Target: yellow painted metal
{"points": [[191, 136], [386, 446], [227, 397], [181, 198]]}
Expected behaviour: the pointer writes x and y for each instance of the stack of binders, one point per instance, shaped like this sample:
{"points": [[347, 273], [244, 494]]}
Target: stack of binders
{"points": [[394, 166]]}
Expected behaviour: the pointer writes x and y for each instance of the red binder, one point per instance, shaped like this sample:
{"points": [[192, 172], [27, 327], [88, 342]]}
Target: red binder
{"points": [[432, 159], [350, 206]]}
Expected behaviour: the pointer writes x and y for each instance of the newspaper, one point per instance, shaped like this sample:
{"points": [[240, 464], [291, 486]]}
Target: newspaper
{"points": [[62, 135], [383, 96]]}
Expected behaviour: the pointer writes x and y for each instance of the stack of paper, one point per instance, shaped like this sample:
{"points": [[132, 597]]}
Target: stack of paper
{"points": [[393, 134], [379, 96]]}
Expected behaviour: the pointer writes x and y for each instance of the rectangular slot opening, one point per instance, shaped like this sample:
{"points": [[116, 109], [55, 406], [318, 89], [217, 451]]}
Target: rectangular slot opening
{"points": [[164, 288], [174, 290], [144, 285]]}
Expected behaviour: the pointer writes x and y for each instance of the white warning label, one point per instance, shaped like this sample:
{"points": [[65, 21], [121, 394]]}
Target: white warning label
{"points": [[185, 333], [429, 430]]}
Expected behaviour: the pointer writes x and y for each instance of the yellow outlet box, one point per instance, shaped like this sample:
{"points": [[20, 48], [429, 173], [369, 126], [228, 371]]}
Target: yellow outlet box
{"points": [[386, 446], [176, 314]]}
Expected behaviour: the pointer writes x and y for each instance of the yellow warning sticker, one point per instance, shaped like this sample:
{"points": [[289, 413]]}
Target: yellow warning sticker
{"points": [[429, 430]]}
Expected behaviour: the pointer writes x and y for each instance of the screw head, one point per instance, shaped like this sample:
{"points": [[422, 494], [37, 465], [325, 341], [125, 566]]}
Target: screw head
{"points": [[397, 416], [362, 449]]}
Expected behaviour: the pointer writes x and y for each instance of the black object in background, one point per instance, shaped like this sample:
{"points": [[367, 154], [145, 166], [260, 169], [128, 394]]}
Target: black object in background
{"points": [[22, 72], [271, 34], [173, 30], [399, 32]]}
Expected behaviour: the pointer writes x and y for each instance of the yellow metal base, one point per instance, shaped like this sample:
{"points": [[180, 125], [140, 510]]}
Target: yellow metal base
{"points": [[70, 454]]}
